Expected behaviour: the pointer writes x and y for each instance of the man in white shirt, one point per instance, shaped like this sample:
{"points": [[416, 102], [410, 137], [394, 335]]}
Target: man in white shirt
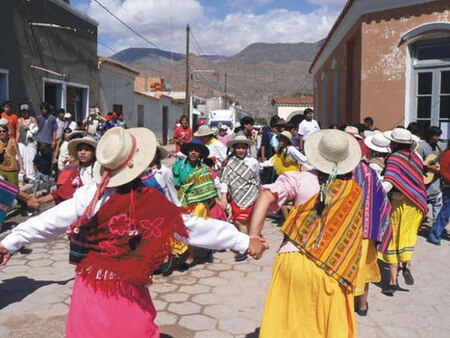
{"points": [[217, 150], [307, 126]]}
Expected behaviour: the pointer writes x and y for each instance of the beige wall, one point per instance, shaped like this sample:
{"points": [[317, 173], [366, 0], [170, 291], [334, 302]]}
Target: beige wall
{"points": [[385, 62]]}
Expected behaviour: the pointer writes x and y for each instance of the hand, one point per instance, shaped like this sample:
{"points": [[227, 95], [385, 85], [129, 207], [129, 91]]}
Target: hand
{"points": [[434, 168], [33, 203], [222, 204], [5, 255], [54, 144], [257, 247]]}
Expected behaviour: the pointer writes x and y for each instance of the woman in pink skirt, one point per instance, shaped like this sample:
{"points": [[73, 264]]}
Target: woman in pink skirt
{"points": [[120, 232]]}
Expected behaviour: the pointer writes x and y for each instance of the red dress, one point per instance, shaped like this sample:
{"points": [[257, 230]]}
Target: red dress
{"points": [[181, 133]]}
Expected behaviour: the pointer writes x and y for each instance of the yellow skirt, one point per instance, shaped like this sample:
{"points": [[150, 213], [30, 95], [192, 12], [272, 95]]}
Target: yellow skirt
{"points": [[406, 219], [200, 210], [304, 302], [369, 272]]}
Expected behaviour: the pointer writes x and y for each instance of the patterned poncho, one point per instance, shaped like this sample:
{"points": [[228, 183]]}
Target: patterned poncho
{"points": [[404, 171], [376, 207]]}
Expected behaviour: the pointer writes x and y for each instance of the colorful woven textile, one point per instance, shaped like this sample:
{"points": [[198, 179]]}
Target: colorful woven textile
{"points": [[376, 207], [404, 171], [8, 193], [338, 251], [197, 187]]}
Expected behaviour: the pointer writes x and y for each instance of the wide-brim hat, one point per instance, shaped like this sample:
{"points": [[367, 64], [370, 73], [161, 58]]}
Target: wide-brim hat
{"points": [[328, 148], [195, 143], [399, 135], [353, 131], [73, 144], [75, 134], [378, 142], [239, 139], [203, 130], [124, 154], [287, 135]]}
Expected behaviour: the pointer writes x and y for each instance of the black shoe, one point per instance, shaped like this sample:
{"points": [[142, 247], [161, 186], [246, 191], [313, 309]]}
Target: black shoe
{"points": [[363, 313], [210, 257], [166, 268], [433, 242], [407, 275], [240, 257], [389, 290]]}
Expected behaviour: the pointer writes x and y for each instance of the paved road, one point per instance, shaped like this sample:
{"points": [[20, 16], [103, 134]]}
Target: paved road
{"points": [[219, 299]]}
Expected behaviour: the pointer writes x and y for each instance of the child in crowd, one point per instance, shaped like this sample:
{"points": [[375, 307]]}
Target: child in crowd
{"points": [[293, 129], [241, 182], [43, 167]]}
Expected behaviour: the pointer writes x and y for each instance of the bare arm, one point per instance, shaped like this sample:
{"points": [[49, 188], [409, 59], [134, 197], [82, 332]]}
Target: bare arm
{"points": [[262, 204]]}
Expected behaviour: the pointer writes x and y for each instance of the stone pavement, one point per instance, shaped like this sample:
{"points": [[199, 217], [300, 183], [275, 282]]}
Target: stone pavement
{"points": [[219, 299]]}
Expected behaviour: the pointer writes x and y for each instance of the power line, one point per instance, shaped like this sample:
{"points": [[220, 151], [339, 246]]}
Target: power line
{"points": [[125, 24]]}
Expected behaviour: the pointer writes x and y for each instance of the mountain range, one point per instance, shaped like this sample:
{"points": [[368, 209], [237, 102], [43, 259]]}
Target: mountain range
{"points": [[255, 75]]}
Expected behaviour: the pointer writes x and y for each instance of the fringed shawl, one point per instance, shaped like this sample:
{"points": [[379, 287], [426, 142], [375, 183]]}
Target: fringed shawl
{"points": [[404, 171], [339, 249], [376, 207]]}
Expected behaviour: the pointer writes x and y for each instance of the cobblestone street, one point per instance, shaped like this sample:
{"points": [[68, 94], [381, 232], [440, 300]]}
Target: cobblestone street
{"points": [[219, 299]]}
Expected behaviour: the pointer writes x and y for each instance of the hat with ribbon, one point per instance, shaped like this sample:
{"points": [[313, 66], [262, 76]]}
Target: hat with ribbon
{"points": [[123, 155]]}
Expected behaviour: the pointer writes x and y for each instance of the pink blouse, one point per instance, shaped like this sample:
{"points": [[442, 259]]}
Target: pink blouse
{"points": [[293, 185]]}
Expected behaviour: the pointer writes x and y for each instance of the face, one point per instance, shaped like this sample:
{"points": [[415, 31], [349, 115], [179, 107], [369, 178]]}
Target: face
{"points": [[85, 154], [61, 116], [248, 127], [3, 133], [25, 114], [7, 109], [184, 123], [283, 141], [205, 139], [222, 132], [294, 131], [309, 116], [240, 150], [434, 139], [194, 155]]}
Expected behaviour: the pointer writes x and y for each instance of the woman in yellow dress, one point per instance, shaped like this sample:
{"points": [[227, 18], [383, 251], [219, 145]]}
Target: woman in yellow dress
{"points": [[311, 292]]}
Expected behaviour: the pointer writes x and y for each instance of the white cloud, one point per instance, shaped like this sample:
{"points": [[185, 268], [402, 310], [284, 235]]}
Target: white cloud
{"points": [[329, 4], [163, 22]]}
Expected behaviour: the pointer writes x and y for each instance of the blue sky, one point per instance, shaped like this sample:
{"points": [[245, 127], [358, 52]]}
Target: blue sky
{"points": [[219, 26]]}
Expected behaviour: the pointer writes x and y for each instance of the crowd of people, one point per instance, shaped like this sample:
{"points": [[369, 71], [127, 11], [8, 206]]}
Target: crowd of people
{"points": [[345, 197]]}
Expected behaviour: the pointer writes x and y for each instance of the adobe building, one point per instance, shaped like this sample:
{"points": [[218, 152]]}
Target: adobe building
{"points": [[49, 54], [389, 59]]}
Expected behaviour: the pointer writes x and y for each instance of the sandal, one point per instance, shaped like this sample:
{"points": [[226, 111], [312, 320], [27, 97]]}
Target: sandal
{"points": [[389, 290], [407, 275], [363, 313]]}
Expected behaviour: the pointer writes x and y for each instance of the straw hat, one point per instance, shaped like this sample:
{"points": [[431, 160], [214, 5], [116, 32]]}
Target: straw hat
{"points": [[239, 138], [368, 133], [67, 115], [124, 154], [75, 134], [353, 131], [203, 131], [378, 142], [73, 144], [287, 135], [330, 147], [195, 143], [399, 135]]}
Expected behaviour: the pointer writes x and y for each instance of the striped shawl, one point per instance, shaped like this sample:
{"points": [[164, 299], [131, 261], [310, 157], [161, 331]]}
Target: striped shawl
{"points": [[404, 171], [339, 250], [376, 207], [198, 187]]}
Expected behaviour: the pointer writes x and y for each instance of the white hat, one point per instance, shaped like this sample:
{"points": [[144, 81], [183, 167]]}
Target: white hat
{"points": [[399, 135], [24, 106], [203, 131], [67, 115], [378, 142], [330, 147], [353, 131], [3, 122], [224, 127], [238, 138], [73, 144], [124, 154], [367, 133], [287, 135]]}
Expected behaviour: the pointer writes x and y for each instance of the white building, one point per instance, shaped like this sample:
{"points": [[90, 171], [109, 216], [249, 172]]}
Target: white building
{"points": [[291, 107]]}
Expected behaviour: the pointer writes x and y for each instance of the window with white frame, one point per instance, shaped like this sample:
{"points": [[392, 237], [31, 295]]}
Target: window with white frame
{"points": [[431, 82]]}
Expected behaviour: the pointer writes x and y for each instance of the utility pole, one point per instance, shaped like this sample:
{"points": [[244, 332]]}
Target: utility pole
{"points": [[187, 106], [225, 90]]}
